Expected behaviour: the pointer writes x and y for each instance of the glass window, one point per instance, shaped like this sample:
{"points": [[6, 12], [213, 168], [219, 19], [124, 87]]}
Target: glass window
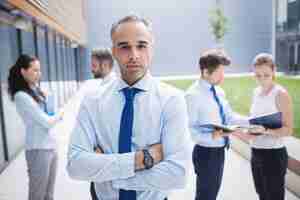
{"points": [[42, 52], [27, 43], [51, 54], [292, 55], [9, 52], [59, 68], [298, 54], [2, 153], [287, 34], [281, 14]]}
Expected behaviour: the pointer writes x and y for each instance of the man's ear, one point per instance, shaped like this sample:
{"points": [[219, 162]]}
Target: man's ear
{"points": [[153, 40], [113, 51], [205, 73], [23, 71]]}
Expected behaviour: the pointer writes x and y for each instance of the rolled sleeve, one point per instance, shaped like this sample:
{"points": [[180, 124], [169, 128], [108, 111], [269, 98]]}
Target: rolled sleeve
{"points": [[198, 134], [85, 164]]}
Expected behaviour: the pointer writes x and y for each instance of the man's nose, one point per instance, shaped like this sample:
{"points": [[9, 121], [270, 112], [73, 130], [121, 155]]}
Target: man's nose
{"points": [[134, 54]]}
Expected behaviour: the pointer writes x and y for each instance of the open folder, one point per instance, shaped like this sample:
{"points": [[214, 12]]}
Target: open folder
{"points": [[270, 121], [230, 128], [224, 128]]}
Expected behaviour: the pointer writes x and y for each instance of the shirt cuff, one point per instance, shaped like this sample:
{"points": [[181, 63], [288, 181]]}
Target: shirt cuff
{"points": [[126, 165], [118, 184]]}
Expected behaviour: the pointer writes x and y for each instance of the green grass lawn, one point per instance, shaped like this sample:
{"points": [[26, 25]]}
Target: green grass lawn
{"points": [[239, 93]]}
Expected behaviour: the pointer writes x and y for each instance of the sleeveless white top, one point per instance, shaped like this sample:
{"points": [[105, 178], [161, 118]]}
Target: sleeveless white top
{"points": [[263, 105]]}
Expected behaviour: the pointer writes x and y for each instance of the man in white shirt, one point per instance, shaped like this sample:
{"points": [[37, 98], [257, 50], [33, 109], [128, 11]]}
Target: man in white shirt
{"points": [[102, 64], [139, 124], [206, 105], [102, 69]]}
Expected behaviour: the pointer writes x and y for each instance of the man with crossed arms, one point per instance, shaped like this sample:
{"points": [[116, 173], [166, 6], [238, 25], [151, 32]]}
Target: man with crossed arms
{"points": [[139, 123]]}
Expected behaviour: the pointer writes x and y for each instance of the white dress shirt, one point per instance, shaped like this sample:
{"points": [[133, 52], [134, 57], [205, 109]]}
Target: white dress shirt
{"points": [[203, 109], [160, 116], [90, 85]]}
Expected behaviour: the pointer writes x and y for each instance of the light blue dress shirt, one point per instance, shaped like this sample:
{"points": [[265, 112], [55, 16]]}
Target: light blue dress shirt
{"points": [[160, 116], [37, 122], [203, 109], [91, 85]]}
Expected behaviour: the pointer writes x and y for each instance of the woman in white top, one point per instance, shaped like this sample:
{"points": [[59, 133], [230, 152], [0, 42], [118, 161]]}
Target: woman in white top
{"points": [[269, 156], [40, 145]]}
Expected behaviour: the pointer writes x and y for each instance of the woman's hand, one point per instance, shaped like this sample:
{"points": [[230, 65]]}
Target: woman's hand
{"points": [[256, 129], [61, 114], [244, 135]]}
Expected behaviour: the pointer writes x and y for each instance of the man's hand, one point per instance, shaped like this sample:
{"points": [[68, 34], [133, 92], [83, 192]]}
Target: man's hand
{"points": [[244, 134], [257, 129], [139, 161], [218, 134], [98, 150], [156, 152]]}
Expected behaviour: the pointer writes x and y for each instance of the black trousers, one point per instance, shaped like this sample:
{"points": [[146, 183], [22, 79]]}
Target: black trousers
{"points": [[269, 167], [93, 192], [209, 165]]}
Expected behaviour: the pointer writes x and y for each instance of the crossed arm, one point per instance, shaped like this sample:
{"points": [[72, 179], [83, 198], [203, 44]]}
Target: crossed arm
{"points": [[126, 170]]}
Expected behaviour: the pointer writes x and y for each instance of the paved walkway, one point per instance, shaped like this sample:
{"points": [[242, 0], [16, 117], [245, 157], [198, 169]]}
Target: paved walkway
{"points": [[13, 181]]}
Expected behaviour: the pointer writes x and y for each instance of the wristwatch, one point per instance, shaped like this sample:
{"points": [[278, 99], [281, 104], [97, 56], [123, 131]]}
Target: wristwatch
{"points": [[148, 159]]}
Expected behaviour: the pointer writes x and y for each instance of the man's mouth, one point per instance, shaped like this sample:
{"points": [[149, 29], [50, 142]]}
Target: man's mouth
{"points": [[132, 66]]}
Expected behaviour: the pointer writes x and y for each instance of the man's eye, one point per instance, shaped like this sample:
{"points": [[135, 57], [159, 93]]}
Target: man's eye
{"points": [[124, 47], [141, 46]]}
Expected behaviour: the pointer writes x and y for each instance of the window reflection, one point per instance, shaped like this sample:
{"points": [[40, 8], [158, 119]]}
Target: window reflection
{"points": [[288, 35]]}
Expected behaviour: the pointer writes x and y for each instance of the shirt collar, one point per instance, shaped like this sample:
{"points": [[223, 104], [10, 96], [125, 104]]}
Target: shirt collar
{"points": [[205, 84], [109, 76], [144, 84]]}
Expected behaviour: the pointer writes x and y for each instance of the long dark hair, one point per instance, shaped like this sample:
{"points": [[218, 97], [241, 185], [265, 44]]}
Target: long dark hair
{"points": [[16, 81]]}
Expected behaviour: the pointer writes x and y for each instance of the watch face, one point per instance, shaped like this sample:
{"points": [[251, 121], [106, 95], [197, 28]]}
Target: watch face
{"points": [[148, 160]]}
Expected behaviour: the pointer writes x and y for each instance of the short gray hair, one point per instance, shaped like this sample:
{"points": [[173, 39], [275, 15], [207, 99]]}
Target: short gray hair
{"points": [[130, 18], [103, 54]]}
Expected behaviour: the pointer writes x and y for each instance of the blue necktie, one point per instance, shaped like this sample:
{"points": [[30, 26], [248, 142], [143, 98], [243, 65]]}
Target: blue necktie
{"points": [[126, 134], [222, 113]]}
